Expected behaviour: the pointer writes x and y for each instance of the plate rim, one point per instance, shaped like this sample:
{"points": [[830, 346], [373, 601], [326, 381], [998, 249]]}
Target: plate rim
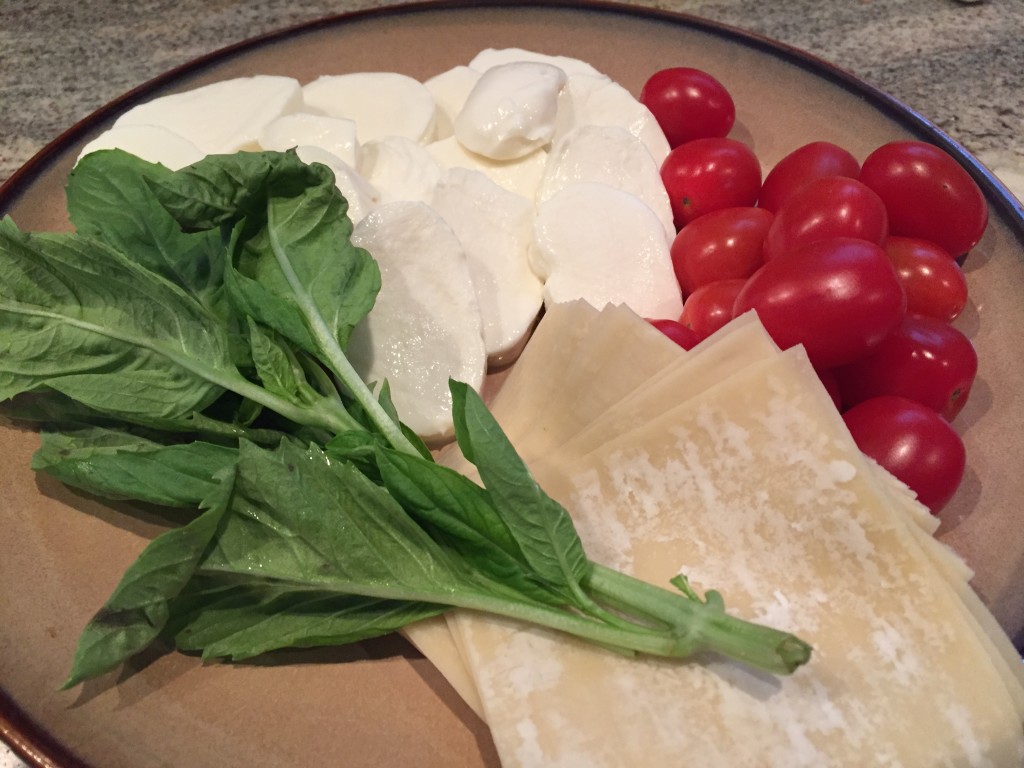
{"points": [[31, 741]]}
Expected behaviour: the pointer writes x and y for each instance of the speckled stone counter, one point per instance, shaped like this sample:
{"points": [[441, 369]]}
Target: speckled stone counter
{"points": [[959, 64]]}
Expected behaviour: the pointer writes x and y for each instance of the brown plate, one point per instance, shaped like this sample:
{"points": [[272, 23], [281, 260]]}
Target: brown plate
{"points": [[381, 703]]}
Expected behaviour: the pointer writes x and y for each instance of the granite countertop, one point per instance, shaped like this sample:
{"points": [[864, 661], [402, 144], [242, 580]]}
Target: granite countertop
{"points": [[961, 64]]}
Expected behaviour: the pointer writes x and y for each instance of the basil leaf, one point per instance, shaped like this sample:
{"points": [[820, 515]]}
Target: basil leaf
{"points": [[278, 368], [540, 525]]}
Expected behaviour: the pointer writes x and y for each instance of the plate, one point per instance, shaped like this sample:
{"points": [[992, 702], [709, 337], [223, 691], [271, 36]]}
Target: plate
{"points": [[380, 702]]}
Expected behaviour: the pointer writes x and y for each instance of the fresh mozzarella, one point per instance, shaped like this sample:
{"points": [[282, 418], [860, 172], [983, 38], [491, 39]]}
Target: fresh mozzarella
{"points": [[380, 103], [400, 169], [359, 193], [221, 117], [150, 142], [511, 110], [450, 90], [425, 325], [607, 154], [495, 57], [494, 227], [521, 176], [603, 245], [599, 100], [302, 129]]}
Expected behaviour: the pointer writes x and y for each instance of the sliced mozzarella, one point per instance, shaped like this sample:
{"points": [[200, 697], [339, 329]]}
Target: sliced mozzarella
{"points": [[494, 226], [302, 129], [400, 169], [359, 193], [495, 57], [607, 154], [598, 100], [601, 244], [521, 176], [425, 325], [221, 117], [380, 103], [150, 142], [450, 90], [511, 110]]}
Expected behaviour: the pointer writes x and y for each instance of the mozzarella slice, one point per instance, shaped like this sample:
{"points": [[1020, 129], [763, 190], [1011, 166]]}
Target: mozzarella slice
{"points": [[521, 176], [450, 90], [380, 103], [400, 169], [425, 326], [601, 244], [598, 100], [495, 57], [302, 129], [494, 226], [221, 117], [511, 110], [607, 154], [150, 142], [359, 193]]}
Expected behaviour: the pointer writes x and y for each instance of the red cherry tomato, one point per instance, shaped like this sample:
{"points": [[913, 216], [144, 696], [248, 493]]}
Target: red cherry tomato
{"points": [[935, 284], [928, 194], [710, 307], [688, 104], [839, 298], [707, 175], [830, 381], [720, 245], [834, 206], [914, 443], [923, 359], [683, 335], [807, 163]]}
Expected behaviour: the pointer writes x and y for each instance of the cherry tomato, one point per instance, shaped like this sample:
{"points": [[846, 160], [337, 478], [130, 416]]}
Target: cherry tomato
{"points": [[710, 307], [839, 298], [830, 381], [707, 175], [720, 245], [683, 335], [935, 284], [688, 104], [807, 163], [833, 206], [923, 359], [914, 443], [928, 194]]}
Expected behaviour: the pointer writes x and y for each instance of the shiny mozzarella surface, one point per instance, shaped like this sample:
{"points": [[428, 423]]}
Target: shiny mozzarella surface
{"points": [[332, 134]]}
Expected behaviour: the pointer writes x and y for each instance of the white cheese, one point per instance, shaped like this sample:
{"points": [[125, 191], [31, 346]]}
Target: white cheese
{"points": [[150, 142], [400, 169], [425, 325], [360, 195], [521, 176], [494, 227], [495, 57], [221, 117], [450, 90], [607, 154], [380, 103], [598, 100], [302, 129], [601, 244], [511, 110]]}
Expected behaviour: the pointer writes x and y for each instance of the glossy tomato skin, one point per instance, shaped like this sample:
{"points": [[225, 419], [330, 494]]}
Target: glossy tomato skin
{"points": [[833, 206], [928, 195], [923, 359], [804, 164], [707, 175], [683, 335], [710, 307], [688, 104], [935, 284], [720, 245], [912, 442], [839, 298]]}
